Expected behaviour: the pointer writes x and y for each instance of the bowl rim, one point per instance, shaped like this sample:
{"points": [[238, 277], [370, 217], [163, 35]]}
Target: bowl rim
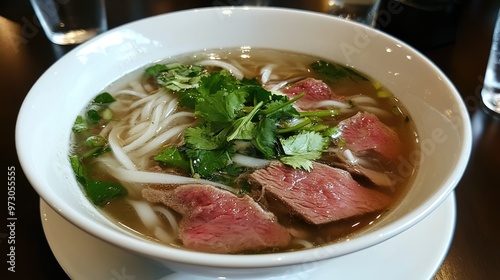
{"points": [[162, 252]]}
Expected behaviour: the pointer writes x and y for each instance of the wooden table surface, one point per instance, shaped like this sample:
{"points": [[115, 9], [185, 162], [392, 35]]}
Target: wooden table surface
{"points": [[456, 38]]}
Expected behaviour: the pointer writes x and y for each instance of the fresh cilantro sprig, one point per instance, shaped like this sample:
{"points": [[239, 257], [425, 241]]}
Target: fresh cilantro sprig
{"points": [[301, 149], [233, 110]]}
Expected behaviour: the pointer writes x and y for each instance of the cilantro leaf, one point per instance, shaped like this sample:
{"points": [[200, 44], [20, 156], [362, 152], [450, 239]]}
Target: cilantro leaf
{"points": [[173, 157], [229, 175], [201, 137], [279, 109], [232, 110], [332, 72], [218, 81], [265, 137], [243, 128], [220, 107], [155, 70], [99, 192], [301, 149], [104, 98], [298, 162], [188, 97], [205, 163]]}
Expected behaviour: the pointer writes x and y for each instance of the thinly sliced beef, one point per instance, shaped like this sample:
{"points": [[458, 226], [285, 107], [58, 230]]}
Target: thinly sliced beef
{"points": [[218, 221], [315, 90], [323, 195], [365, 134]]}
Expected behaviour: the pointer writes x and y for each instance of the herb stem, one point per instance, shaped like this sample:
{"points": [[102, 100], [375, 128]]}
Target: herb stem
{"points": [[275, 109], [91, 152], [295, 127], [321, 113]]}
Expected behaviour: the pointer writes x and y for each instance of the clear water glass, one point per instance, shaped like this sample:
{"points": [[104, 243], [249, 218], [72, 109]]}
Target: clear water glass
{"points": [[363, 11], [67, 22], [491, 88]]}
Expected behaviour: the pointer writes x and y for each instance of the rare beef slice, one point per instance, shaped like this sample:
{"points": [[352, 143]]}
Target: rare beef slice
{"points": [[217, 221], [323, 195], [366, 135]]}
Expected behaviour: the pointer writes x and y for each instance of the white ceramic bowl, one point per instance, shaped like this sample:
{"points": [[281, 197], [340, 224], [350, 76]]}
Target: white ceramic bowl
{"points": [[47, 115]]}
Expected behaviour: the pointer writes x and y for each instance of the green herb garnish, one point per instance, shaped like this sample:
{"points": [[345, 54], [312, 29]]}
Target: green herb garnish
{"points": [[99, 192], [176, 76], [334, 72], [239, 110], [303, 148]]}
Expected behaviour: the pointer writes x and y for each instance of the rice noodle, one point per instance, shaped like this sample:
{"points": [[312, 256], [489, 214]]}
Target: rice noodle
{"points": [[137, 129], [170, 108], [137, 87], [148, 128], [306, 244], [363, 99], [105, 131], [140, 131], [349, 156], [278, 86], [145, 213], [376, 111], [118, 152], [282, 84], [328, 103], [149, 133], [160, 139], [265, 73], [217, 63], [353, 159], [249, 161], [176, 118], [169, 216], [147, 177], [162, 235], [130, 92]]}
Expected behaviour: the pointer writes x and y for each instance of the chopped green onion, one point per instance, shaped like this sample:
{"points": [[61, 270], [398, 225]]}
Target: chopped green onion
{"points": [[95, 141], [80, 125], [107, 114], [383, 94]]}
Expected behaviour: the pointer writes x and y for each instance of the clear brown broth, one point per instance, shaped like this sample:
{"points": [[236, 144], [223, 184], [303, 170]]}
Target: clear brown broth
{"points": [[287, 65]]}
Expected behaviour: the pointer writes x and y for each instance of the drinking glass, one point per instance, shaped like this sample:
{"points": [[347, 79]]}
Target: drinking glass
{"points": [[363, 11], [68, 22], [490, 93]]}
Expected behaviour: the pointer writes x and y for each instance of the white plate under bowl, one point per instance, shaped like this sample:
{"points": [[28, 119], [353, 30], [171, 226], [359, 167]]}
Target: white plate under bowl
{"points": [[416, 254]]}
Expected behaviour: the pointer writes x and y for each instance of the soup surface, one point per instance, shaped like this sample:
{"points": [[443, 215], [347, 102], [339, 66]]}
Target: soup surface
{"points": [[244, 151]]}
